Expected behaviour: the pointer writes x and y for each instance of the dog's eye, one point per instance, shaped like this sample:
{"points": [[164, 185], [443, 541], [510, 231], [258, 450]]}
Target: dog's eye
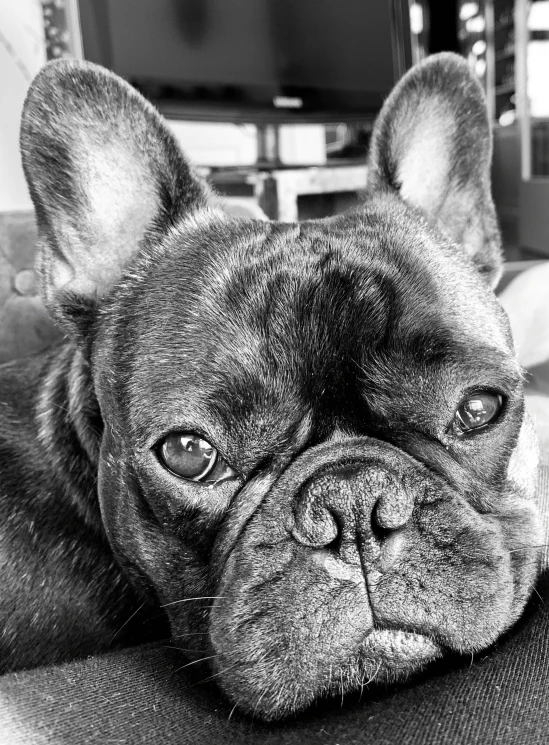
{"points": [[190, 457], [477, 410]]}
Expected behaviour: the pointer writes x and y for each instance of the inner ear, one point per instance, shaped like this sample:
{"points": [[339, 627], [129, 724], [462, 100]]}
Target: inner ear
{"points": [[105, 174], [432, 144]]}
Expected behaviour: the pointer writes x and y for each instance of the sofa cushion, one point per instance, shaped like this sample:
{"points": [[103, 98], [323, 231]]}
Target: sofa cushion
{"points": [[25, 327]]}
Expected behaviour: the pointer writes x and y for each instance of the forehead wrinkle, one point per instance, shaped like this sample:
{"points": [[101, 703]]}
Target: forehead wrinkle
{"points": [[468, 305], [430, 265], [177, 407], [489, 363]]}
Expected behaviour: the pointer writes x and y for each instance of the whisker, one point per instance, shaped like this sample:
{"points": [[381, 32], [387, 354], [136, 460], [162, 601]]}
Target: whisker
{"points": [[189, 600], [113, 637], [259, 700], [194, 662], [372, 678], [534, 562], [215, 675], [179, 649]]}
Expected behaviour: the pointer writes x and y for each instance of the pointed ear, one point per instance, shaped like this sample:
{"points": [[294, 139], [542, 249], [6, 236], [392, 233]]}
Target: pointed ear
{"points": [[105, 175], [432, 144]]}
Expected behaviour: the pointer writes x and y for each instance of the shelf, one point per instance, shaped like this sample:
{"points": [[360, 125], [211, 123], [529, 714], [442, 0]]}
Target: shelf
{"points": [[499, 25], [500, 90]]}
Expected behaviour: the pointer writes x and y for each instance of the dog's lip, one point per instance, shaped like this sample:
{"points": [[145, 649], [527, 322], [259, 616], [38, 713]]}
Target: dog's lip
{"points": [[399, 647]]}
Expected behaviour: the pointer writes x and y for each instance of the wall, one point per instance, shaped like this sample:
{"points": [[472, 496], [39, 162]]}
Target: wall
{"points": [[22, 53]]}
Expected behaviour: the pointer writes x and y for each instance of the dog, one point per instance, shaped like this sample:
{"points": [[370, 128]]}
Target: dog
{"points": [[301, 448]]}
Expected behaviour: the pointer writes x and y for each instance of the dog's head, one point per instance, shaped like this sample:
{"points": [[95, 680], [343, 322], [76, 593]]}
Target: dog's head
{"points": [[314, 451]]}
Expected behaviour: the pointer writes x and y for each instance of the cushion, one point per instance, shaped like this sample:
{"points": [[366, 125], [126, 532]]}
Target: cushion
{"points": [[25, 327]]}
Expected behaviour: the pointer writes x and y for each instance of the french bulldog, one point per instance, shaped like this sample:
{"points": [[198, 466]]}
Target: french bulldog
{"points": [[303, 445]]}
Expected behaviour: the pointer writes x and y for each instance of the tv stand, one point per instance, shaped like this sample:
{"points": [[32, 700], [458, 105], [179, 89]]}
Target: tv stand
{"points": [[325, 190]]}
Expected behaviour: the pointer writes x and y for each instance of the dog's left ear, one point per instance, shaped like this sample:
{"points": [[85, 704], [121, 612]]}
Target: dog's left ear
{"points": [[106, 177], [432, 144]]}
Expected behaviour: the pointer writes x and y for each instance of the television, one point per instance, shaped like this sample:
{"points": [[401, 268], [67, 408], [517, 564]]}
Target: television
{"points": [[256, 61]]}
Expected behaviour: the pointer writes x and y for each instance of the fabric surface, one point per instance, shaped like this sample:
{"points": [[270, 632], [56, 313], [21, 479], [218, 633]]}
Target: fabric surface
{"points": [[25, 327], [146, 695], [526, 302]]}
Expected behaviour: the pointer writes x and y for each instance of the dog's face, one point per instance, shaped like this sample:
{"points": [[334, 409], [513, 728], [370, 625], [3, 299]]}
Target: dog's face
{"points": [[314, 450]]}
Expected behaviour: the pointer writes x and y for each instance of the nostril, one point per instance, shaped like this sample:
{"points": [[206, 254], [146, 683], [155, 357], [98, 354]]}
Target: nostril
{"points": [[379, 530], [392, 511], [315, 527]]}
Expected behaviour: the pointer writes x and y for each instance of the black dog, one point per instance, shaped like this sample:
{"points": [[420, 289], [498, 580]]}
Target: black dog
{"points": [[316, 431]]}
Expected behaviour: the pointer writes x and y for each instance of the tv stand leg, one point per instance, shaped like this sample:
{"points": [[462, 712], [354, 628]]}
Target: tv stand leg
{"points": [[268, 146]]}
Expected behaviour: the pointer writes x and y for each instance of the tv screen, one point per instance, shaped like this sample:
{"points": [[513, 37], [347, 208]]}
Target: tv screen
{"points": [[253, 60]]}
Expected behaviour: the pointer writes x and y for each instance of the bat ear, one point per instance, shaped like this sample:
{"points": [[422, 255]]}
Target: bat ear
{"points": [[432, 144], [106, 177]]}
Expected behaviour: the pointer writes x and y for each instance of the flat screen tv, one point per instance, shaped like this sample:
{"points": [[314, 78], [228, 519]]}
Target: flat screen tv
{"points": [[253, 60]]}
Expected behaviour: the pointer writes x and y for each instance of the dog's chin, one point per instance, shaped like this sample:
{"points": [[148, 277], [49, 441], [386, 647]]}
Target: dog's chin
{"points": [[385, 656]]}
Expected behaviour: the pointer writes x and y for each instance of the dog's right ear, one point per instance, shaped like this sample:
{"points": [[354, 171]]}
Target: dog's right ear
{"points": [[105, 175], [432, 145]]}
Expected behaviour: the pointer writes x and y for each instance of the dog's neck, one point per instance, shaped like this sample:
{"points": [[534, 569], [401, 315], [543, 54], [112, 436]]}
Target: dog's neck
{"points": [[68, 412]]}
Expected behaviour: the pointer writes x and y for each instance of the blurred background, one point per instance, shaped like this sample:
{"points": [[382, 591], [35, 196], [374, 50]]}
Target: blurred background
{"points": [[274, 100]]}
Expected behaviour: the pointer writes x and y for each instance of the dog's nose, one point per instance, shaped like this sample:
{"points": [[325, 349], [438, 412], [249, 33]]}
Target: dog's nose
{"points": [[360, 502]]}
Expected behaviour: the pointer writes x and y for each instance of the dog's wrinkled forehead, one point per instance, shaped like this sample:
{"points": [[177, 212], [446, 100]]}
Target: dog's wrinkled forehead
{"points": [[361, 273], [283, 308]]}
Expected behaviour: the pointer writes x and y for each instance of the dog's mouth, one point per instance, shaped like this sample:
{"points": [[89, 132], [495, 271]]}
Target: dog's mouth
{"points": [[385, 656], [272, 666]]}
